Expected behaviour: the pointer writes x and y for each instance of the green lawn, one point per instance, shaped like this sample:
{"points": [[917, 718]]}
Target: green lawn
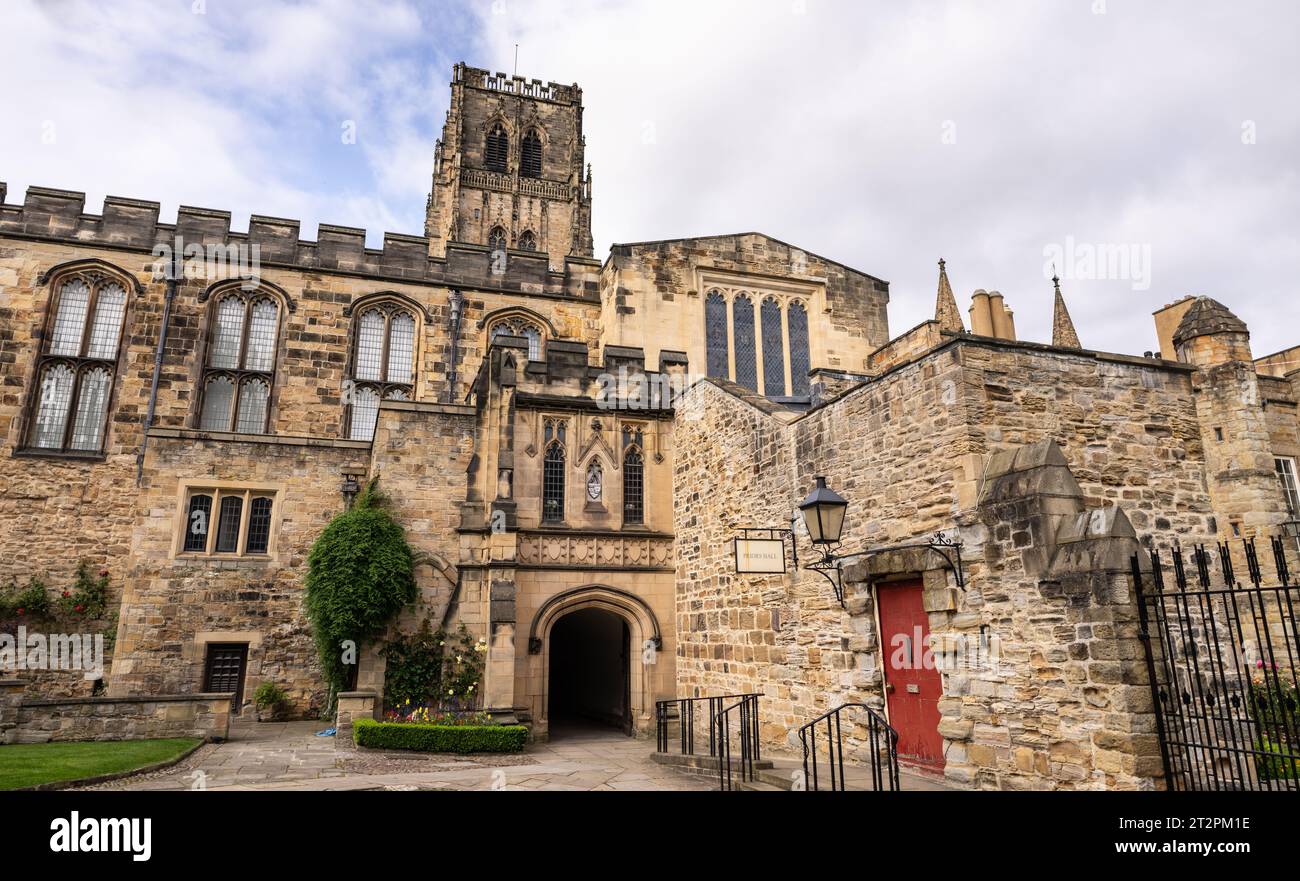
{"points": [[31, 764]]}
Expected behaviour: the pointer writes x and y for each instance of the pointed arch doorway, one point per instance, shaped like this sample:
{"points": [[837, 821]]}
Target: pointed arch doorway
{"points": [[590, 674], [594, 651]]}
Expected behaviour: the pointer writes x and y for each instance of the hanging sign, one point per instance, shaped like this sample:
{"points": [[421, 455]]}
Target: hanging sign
{"points": [[760, 556]]}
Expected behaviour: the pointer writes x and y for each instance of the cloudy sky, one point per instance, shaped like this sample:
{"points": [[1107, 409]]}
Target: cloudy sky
{"points": [[883, 134]]}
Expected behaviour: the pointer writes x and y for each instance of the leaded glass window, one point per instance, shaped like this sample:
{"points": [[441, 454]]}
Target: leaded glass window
{"points": [[232, 512], [633, 483], [553, 477], [259, 525], [383, 368], [528, 241], [715, 335], [530, 161], [197, 520], [77, 367], [240, 368], [773, 349], [227, 521], [497, 239], [497, 150], [520, 327], [742, 319], [796, 319]]}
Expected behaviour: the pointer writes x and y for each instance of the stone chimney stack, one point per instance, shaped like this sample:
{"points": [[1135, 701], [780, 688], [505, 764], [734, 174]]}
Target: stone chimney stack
{"points": [[990, 317]]}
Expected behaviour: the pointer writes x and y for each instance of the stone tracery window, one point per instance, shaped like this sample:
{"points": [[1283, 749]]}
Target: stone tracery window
{"points": [[553, 471], [796, 317], [773, 349], [715, 335], [633, 476], [497, 239], [528, 241], [240, 368], [383, 365], [742, 320], [520, 327], [77, 368], [497, 149], [530, 159]]}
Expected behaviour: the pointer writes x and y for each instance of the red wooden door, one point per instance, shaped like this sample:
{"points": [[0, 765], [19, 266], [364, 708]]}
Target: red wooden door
{"points": [[913, 684]]}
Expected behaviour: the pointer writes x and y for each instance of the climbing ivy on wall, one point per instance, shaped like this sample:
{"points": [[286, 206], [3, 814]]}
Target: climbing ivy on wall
{"points": [[360, 573]]}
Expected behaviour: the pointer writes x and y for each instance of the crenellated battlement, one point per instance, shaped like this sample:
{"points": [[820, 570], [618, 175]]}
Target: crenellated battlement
{"points": [[133, 224], [479, 78]]}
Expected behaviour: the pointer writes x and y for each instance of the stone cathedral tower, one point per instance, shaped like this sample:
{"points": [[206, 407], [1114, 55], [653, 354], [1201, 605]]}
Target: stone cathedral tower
{"points": [[509, 170]]}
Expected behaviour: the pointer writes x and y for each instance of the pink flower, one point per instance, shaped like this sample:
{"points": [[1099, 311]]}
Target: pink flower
{"points": [[103, 573], [66, 594]]}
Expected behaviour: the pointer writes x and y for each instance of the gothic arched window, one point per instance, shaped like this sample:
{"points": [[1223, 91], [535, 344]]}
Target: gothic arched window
{"points": [[796, 319], [240, 368], [383, 365], [742, 319], [530, 160], [497, 239], [553, 472], [773, 349], [528, 241], [520, 327], [77, 368], [497, 149], [633, 477], [715, 335]]}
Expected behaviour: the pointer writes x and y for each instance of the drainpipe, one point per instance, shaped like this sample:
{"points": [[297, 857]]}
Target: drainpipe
{"points": [[172, 274], [455, 301]]}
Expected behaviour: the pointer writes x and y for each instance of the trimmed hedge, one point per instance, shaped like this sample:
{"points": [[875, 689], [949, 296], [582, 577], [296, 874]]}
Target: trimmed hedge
{"points": [[439, 738]]}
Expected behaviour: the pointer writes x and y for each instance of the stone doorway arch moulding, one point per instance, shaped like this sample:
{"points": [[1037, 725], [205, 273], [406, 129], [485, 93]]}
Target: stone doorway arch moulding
{"points": [[643, 627]]}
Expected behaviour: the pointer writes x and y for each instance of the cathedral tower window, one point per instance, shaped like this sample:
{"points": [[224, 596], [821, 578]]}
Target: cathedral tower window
{"points": [[633, 477], [383, 365], [77, 368], [240, 368], [773, 349], [530, 160], [497, 239], [520, 327], [553, 472], [497, 149], [528, 241], [742, 320], [796, 319], [715, 335]]}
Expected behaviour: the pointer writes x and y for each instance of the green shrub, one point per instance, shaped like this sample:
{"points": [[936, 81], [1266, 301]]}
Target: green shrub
{"points": [[436, 670], [89, 595], [360, 573], [29, 603], [439, 738], [269, 695], [1278, 763]]}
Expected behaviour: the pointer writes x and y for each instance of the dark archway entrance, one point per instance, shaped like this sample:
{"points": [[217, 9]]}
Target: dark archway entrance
{"points": [[590, 665]]}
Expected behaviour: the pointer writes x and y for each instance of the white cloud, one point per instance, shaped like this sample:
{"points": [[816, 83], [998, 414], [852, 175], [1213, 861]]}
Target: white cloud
{"points": [[824, 128]]}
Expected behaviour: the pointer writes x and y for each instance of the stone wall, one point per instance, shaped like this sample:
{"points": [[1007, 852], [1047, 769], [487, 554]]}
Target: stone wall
{"points": [[914, 450], [134, 717]]}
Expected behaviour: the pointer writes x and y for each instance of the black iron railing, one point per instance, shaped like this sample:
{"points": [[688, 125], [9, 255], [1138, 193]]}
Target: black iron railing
{"points": [[686, 710], [1222, 663], [729, 717], [878, 740], [745, 727]]}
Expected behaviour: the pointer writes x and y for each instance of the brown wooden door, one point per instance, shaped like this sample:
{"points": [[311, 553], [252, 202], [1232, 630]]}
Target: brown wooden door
{"points": [[913, 683], [224, 670]]}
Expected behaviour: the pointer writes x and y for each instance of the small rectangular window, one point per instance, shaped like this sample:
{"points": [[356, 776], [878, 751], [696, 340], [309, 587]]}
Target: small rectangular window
{"points": [[226, 521]]}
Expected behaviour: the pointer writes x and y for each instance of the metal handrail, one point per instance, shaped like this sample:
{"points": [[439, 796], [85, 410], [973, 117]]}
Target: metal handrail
{"points": [[747, 711], [880, 733], [686, 720]]}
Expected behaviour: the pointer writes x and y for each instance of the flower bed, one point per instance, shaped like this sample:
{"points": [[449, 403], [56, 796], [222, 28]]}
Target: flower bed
{"points": [[439, 738]]}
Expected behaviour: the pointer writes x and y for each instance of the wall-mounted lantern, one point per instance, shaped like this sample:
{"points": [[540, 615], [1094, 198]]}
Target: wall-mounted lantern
{"points": [[823, 515], [349, 489]]}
